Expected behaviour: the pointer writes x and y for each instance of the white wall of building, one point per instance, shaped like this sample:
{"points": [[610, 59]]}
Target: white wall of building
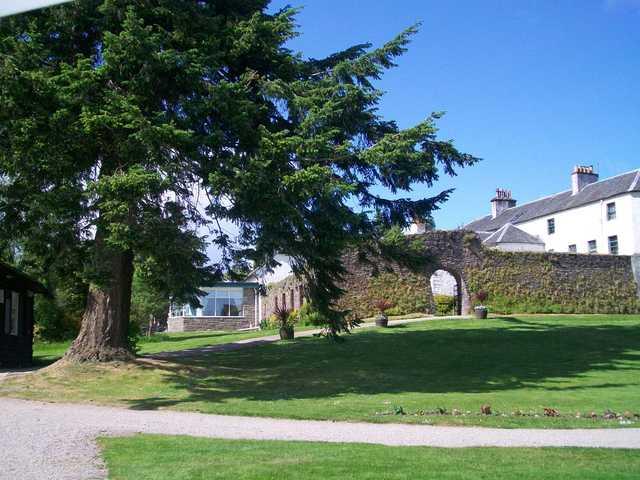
{"points": [[579, 225], [635, 220]]}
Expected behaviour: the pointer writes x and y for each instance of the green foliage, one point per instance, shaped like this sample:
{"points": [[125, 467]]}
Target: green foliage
{"points": [[112, 111], [444, 304], [147, 302], [55, 318], [133, 337], [406, 251], [283, 317], [308, 315]]}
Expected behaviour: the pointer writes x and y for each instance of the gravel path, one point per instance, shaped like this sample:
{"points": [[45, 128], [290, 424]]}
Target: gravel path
{"points": [[57, 441]]}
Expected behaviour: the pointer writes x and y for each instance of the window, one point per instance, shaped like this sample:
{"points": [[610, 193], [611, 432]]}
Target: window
{"points": [[592, 246], [551, 226], [611, 211], [5, 312], [223, 302], [573, 248], [613, 245], [15, 313], [11, 301]]}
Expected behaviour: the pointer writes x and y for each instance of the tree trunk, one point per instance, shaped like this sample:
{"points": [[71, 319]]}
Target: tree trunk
{"points": [[103, 334]]}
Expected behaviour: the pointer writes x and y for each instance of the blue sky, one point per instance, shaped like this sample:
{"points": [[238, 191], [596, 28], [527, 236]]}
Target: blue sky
{"points": [[532, 87]]}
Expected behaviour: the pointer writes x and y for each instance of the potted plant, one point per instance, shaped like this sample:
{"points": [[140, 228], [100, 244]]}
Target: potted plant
{"points": [[480, 311], [383, 305], [285, 322]]}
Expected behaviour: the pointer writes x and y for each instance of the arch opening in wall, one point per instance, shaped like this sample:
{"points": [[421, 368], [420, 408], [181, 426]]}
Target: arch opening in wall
{"points": [[446, 293]]}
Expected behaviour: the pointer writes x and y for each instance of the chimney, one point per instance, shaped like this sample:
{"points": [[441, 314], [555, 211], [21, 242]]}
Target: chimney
{"points": [[501, 202], [581, 177]]}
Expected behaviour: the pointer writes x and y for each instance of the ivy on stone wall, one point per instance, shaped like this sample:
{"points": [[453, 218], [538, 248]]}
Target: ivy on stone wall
{"points": [[516, 282], [407, 290], [553, 283]]}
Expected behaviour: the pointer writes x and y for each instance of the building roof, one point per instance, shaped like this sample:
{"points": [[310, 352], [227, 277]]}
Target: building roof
{"points": [[508, 233], [10, 277], [594, 192], [230, 284]]}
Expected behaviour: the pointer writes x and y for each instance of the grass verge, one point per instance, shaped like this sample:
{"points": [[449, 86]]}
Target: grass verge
{"points": [[149, 457], [415, 373]]}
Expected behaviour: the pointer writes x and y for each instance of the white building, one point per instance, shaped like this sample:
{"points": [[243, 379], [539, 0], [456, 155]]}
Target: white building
{"points": [[594, 216]]}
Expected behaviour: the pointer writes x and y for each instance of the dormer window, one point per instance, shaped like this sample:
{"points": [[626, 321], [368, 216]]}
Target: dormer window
{"points": [[551, 226]]}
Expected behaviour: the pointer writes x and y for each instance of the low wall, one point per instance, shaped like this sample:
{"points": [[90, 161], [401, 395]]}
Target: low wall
{"points": [[196, 324]]}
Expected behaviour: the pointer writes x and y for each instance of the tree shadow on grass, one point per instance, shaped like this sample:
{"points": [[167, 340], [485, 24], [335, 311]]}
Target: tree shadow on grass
{"points": [[461, 360], [164, 337]]}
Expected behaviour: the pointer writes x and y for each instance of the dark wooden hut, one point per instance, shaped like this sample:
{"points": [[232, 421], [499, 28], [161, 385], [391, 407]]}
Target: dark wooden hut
{"points": [[16, 316]]}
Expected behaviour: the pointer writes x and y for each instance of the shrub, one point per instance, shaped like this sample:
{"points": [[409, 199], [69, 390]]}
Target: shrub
{"points": [[395, 311], [308, 315], [444, 304], [56, 318], [283, 317], [383, 305], [480, 297]]}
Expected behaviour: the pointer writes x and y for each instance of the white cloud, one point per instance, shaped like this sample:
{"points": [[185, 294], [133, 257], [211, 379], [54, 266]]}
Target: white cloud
{"points": [[9, 7]]}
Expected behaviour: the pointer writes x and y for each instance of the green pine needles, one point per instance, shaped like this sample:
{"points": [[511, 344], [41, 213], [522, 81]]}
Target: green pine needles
{"points": [[112, 112]]}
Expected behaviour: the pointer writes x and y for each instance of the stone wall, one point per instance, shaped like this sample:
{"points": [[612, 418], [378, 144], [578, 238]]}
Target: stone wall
{"points": [[515, 281], [370, 279], [556, 282], [198, 324], [288, 293]]}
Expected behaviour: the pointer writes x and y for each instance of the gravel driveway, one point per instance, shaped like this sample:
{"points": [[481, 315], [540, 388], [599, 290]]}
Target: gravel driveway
{"points": [[57, 441]]}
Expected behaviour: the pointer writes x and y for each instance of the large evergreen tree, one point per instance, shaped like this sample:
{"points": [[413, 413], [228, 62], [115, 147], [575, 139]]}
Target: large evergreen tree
{"points": [[113, 111]]}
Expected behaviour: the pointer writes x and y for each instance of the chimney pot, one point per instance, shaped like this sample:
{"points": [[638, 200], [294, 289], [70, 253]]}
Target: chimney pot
{"points": [[582, 176], [501, 202]]}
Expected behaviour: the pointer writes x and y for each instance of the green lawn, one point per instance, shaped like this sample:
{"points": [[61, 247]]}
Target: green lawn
{"points": [[47, 352], [147, 457], [517, 365]]}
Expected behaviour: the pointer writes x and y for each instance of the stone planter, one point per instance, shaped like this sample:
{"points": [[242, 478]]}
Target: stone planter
{"points": [[286, 333], [480, 312], [382, 321]]}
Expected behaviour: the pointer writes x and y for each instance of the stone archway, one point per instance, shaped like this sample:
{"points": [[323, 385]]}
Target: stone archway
{"points": [[457, 289], [454, 252], [461, 293], [369, 278]]}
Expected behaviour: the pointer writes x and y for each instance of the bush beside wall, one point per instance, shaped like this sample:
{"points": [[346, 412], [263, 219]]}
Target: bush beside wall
{"points": [[444, 304]]}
